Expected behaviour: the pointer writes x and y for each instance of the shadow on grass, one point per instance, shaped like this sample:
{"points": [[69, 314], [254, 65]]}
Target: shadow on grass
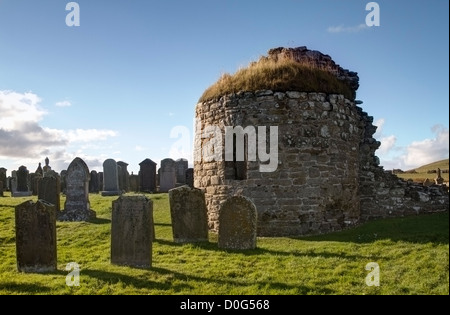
{"points": [[262, 251], [24, 288], [167, 284], [421, 229], [100, 221]]}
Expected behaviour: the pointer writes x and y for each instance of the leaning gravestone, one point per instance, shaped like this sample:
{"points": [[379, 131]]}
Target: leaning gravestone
{"points": [[237, 224], [189, 215], [168, 177], [77, 205], [49, 190], [36, 236], [110, 178], [131, 231]]}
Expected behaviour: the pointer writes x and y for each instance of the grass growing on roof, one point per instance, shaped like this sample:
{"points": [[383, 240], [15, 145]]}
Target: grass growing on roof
{"points": [[282, 75], [413, 254]]}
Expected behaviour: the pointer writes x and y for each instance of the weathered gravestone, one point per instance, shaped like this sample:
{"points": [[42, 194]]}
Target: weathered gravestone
{"points": [[181, 165], [100, 180], [3, 177], [439, 180], [147, 176], [49, 190], [124, 176], [237, 224], [132, 231], [189, 215], [134, 183], [77, 205], [190, 177], [63, 181], [110, 178], [34, 181], [1, 189], [22, 181], [93, 183], [168, 176], [36, 236]]}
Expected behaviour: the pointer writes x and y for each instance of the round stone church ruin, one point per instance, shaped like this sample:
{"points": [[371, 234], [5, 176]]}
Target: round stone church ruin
{"points": [[327, 176]]}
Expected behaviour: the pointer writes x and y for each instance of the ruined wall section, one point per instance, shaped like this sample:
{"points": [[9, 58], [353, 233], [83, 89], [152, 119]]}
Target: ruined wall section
{"points": [[316, 186]]}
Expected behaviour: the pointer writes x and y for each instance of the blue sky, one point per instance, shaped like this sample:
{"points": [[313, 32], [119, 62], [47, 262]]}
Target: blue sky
{"points": [[117, 85]]}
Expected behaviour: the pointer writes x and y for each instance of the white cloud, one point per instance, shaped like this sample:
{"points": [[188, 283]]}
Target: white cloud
{"points": [[22, 137], [347, 29], [63, 104], [139, 148], [387, 144], [429, 150]]}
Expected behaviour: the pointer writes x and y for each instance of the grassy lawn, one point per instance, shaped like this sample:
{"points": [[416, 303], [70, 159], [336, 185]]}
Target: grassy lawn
{"points": [[413, 255]]}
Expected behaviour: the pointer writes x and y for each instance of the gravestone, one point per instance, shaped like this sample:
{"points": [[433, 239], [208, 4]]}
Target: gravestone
{"points": [[93, 183], [1, 189], [134, 183], [50, 190], [100, 180], [22, 182], [190, 177], [63, 181], [35, 236], [39, 170], [131, 231], [237, 224], [439, 180], [34, 180], [181, 166], [3, 177], [147, 176], [168, 177], [77, 205], [124, 177], [110, 178], [47, 167], [13, 182], [189, 215]]}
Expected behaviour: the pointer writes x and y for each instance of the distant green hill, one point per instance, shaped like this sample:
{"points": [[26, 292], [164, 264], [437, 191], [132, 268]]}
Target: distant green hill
{"points": [[443, 165]]}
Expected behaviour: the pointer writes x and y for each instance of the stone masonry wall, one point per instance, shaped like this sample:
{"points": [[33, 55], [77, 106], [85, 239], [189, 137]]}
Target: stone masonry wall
{"points": [[328, 177], [315, 188]]}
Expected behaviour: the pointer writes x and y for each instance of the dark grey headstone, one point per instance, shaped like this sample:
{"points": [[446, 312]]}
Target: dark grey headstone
{"points": [[36, 236], [1, 189], [77, 205], [168, 177], [110, 178], [134, 183], [124, 176], [93, 183], [132, 231], [189, 215], [50, 190], [181, 166], [63, 181], [190, 177], [237, 224], [22, 179], [3, 177], [147, 176]]}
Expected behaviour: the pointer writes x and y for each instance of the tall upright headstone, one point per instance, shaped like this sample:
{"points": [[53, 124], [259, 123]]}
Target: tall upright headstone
{"points": [[124, 177], [237, 224], [134, 183], [439, 180], [63, 181], [147, 176], [190, 177], [168, 177], [181, 166], [50, 190], [13, 182], [34, 181], [77, 205], [189, 215], [35, 236], [3, 180], [1, 189], [39, 170], [110, 178], [93, 183], [23, 187], [131, 231], [47, 167]]}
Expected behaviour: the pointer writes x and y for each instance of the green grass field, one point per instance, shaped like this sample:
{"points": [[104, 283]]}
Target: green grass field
{"points": [[413, 255], [422, 172]]}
